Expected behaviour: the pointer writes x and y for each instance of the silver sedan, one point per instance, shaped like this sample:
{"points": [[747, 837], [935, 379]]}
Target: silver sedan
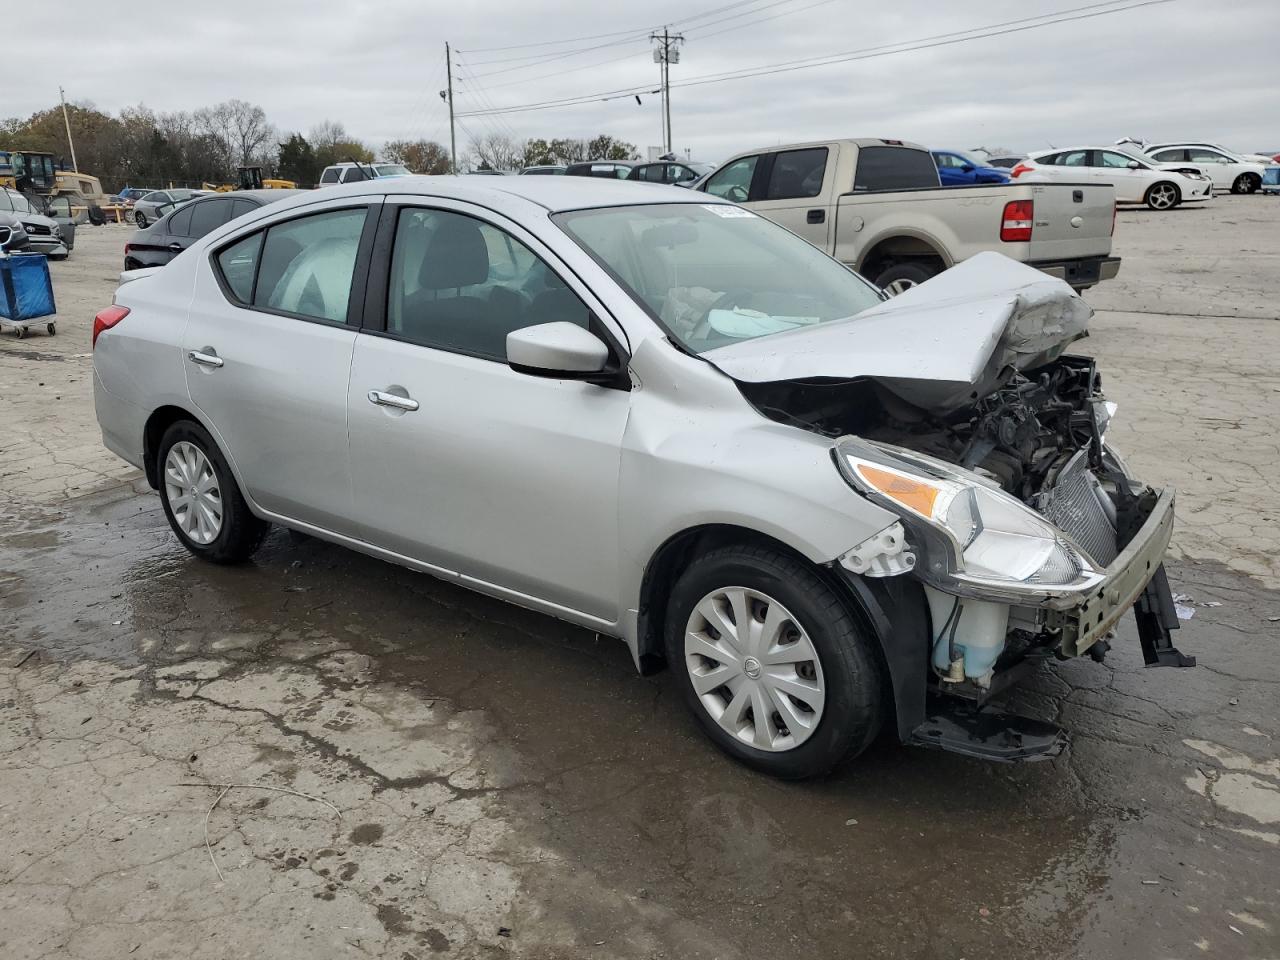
{"points": [[665, 419]]}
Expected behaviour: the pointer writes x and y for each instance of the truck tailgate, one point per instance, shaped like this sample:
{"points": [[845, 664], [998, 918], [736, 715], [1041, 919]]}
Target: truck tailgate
{"points": [[1071, 220]]}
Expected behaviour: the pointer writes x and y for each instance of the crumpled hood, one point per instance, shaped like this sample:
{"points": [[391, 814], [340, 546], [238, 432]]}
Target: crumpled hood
{"points": [[939, 345]]}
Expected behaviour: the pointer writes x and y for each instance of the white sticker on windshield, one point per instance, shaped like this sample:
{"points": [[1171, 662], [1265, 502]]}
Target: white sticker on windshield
{"points": [[728, 211]]}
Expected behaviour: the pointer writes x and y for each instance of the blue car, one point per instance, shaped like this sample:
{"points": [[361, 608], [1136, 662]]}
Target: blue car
{"points": [[956, 169]]}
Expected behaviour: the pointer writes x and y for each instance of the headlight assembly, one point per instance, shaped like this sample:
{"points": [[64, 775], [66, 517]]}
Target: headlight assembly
{"points": [[968, 530]]}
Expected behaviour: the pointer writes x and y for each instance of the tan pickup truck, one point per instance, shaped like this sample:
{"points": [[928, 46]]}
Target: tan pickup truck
{"points": [[877, 206]]}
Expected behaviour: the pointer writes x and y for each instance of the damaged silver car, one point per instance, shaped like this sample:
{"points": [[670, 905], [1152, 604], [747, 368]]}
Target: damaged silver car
{"points": [[667, 420]]}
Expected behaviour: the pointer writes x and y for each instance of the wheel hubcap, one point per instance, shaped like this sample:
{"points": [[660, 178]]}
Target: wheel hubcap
{"points": [[754, 669], [896, 287], [191, 487], [1163, 196]]}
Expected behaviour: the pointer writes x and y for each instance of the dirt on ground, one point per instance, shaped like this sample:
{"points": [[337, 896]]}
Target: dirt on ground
{"points": [[321, 755]]}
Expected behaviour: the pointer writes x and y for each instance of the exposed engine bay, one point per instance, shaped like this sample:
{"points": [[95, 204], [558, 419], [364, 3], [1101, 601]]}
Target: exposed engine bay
{"points": [[1039, 436]]}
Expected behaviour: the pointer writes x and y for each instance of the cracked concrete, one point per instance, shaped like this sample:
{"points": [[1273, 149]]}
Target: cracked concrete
{"points": [[509, 787]]}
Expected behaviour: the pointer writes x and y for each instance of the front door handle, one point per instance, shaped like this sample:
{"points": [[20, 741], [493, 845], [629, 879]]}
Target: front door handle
{"points": [[175, 247], [383, 399], [205, 359], [816, 216]]}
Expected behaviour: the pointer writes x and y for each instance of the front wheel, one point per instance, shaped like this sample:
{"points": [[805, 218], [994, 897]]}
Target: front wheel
{"points": [[771, 662], [1162, 196], [1247, 183], [901, 277], [201, 500]]}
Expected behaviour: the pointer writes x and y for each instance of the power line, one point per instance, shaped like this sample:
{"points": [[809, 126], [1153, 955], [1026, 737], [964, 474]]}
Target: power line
{"points": [[905, 46], [752, 23], [621, 94], [927, 43]]}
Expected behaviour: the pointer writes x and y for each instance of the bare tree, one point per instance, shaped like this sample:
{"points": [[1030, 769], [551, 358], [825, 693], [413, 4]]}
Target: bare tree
{"points": [[420, 156], [497, 152]]}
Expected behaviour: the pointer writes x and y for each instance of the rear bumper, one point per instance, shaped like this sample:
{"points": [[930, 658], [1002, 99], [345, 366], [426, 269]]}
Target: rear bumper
{"points": [[1081, 272]]}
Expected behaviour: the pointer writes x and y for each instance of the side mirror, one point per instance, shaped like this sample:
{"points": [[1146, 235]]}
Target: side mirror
{"points": [[559, 350], [967, 168], [1133, 165]]}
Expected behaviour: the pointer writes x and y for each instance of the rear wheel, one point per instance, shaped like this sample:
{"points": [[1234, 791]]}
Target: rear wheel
{"points": [[901, 277], [1246, 183], [201, 500], [140, 219], [771, 663], [1162, 196]]}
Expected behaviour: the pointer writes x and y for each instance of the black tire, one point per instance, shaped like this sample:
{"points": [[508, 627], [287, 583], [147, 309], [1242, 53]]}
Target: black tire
{"points": [[1247, 183], [851, 672], [241, 531], [1155, 197], [140, 220], [903, 276]]}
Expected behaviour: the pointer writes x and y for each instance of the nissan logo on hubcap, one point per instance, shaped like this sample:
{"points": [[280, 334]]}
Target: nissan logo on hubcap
{"points": [[751, 667]]}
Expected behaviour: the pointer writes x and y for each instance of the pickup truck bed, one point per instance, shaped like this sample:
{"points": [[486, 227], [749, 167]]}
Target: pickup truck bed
{"points": [[877, 206]]}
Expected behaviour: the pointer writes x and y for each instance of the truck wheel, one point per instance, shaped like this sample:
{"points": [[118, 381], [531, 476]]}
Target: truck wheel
{"points": [[1246, 183], [1162, 196], [771, 663], [901, 277]]}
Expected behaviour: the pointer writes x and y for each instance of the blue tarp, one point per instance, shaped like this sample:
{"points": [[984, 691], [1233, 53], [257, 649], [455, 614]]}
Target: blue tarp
{"points": [[26, 289]]}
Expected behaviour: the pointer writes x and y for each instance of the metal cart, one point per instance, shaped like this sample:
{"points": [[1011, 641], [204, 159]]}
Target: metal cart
{"points": [[26, 293]]}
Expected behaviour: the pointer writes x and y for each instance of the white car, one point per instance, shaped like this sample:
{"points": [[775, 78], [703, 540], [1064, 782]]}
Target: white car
{"points": [[1230, 171], [1137, 177]]}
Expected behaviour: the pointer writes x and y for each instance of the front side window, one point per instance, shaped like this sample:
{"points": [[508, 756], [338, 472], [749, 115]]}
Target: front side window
{"points": [[1110, 159], [651, 172], [307, 265], [1171, 156], [156, 197], [679, 173], [894, 168], [460, 284], [797, 174], [715, 274], [733, 182]]}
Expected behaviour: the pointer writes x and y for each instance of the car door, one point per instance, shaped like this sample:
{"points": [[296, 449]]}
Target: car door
{"points": [[458, 461], [162, 241], [1130, 183], [268, 351], [791, 193], [1220, 168]]}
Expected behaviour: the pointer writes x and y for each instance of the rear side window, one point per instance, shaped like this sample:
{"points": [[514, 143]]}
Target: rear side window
{"points": [[240, 207], [797, 173], [733, 182], [208, 215], [330, 175], [237, 263], [352, 174], [307, 265], [895, 168], [1075, 158], [180, 222]]}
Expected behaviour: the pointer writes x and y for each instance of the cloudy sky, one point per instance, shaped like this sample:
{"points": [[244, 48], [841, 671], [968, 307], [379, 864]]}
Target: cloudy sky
{"points": [[1163, 69]]}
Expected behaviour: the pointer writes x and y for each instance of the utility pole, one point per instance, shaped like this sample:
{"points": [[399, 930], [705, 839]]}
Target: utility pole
{"points": [[63, 97], [666, 53], [447, 97]]}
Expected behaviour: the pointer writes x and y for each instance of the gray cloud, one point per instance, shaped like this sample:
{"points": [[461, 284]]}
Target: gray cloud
{"points": [[1179, 69]]}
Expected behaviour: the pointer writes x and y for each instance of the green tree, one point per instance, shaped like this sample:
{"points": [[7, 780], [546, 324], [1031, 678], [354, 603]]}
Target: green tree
{"points": [[297, 160], [605, 147]]}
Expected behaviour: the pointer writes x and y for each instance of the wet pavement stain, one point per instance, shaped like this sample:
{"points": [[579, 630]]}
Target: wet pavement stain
{"points": [[1130, 845]]}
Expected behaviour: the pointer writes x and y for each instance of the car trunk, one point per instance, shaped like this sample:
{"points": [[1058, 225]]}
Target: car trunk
{"points": [[1071, 220]]}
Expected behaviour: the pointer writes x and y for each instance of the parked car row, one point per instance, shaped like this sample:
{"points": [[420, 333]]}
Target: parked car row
{"points": [[28, 228], [1137, 177]]}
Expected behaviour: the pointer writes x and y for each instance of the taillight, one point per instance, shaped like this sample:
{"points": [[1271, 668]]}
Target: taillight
{"points": [[1015, 225], [128, 247], [1019, 170], [106, 319]]}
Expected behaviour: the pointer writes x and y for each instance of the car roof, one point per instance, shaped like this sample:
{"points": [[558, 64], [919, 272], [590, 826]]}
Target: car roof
{"points": [[265, 195], [554, 194], [1110, 148]]}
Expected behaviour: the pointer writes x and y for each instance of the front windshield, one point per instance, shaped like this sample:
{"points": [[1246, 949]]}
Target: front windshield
{"points": [[716, 274], [392, 170]]}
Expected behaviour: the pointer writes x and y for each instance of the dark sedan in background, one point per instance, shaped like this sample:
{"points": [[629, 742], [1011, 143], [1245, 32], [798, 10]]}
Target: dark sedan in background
{"points": [[156, 245]]}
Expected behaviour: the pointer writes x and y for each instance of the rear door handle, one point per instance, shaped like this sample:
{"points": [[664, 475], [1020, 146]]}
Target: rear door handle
{"points": [[175, 247], [205, 359], [816, 216], [383, 399]]}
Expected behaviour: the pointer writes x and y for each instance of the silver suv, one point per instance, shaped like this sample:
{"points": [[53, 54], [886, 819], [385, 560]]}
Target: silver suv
{"points": [[663, 418]]}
